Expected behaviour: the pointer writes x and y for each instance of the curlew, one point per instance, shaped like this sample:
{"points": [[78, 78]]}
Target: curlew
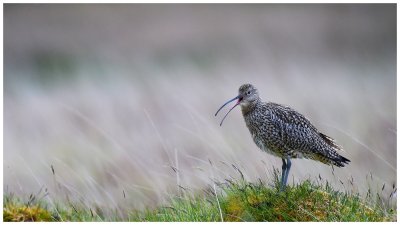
{"points": [[283, 132]]}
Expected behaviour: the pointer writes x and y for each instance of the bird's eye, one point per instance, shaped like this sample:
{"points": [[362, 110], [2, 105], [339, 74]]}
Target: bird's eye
{"points": [[248, 92]]}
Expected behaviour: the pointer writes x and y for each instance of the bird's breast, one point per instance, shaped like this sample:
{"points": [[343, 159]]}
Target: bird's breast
{"points": [[261, 143], [258, 126]]}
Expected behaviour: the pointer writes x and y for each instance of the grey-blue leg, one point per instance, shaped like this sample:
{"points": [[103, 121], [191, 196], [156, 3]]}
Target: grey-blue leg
{"points": [[284, 166], [288, 165]]}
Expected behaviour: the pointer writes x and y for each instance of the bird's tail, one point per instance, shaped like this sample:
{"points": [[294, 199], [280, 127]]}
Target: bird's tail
{"points": [[340, 161], [334, 157], [331, 158], [331, 142]]}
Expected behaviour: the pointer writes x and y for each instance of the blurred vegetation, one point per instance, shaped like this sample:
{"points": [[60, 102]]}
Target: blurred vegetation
{"points": [[53, 66]]}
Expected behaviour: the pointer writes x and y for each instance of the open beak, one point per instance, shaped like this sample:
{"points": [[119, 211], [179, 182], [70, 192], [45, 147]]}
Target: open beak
{"points": [[233, 99]]}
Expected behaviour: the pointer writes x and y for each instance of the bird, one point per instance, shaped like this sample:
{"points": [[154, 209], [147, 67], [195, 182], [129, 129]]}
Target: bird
{"points": [[283, 132]]}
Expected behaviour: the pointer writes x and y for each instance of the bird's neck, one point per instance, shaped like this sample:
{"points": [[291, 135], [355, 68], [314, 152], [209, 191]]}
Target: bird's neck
{"points": [[249, 107]]}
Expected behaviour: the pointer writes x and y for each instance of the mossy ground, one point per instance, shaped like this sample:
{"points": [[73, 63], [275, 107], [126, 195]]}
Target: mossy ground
{"points": [[234, 201]]}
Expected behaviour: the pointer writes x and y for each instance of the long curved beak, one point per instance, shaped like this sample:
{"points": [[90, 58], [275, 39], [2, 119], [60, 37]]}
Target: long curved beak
{"points": [[233, 99]]}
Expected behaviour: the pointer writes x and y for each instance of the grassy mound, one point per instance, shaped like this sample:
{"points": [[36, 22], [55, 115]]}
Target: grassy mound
{"points": [[304, 202], [235, 201], [256, 202]]}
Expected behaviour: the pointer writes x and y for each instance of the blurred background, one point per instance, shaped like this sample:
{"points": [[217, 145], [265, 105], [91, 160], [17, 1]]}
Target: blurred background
{"points": [[120, 99]]}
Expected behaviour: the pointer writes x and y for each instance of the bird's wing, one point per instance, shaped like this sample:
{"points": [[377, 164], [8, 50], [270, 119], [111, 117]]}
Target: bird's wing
{"points": [[291, 117], [291, 121]]}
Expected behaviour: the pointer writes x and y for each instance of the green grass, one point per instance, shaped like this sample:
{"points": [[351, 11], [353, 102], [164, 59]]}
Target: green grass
{"points": [[228, 201]]}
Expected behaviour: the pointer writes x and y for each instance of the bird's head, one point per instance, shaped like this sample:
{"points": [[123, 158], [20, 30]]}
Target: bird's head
{"points": [[248, 96]]}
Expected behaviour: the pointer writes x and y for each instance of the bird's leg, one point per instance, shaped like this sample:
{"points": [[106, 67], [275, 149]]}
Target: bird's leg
{"points": [[283, 173], [288, 165]]}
